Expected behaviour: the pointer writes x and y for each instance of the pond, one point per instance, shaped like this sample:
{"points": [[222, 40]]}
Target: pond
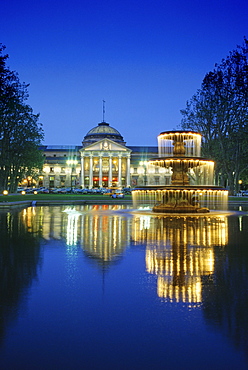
{"points": [[93, 287]]}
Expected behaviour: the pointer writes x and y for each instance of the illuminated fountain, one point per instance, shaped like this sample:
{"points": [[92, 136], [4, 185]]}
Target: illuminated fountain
{"points": [[192, 186]]}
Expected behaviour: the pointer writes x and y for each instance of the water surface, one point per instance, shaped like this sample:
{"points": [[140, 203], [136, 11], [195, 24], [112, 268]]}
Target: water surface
{"points": [[92, 287]]}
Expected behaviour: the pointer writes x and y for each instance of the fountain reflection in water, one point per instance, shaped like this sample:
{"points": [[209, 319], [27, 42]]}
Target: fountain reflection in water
{"points": [[192, 182], [180, 250]]}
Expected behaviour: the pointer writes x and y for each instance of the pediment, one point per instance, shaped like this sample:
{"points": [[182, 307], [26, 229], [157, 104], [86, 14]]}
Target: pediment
{"points": [[106, 145]]}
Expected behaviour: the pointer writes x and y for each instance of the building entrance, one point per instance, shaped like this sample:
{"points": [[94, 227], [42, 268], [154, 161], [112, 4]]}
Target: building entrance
{"points": [[95, 182], [105, 182]]}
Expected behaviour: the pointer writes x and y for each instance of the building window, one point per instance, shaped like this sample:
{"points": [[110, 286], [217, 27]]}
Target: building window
{"points": [[62, 180], [40, 181], [156, 180], [134, 180], [51, 169], [135, 170], [51, 182], [54, 155], [156, 169], [86, 181]]}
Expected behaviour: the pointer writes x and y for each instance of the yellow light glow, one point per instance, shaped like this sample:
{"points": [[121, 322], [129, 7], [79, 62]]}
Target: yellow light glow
{"points": [[143, 163], [23, 192], [140, 171], [57, 169], [72, 162], [5, 192]]}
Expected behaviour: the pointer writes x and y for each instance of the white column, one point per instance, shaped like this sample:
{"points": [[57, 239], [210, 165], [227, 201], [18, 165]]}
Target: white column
{"points": [[82, 171], [91, 172], [100, 171], [110, 171], [119, 170], [128, 171]]}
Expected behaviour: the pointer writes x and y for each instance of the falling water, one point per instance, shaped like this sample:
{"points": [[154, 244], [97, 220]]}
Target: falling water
{"points": [[192, 186]]}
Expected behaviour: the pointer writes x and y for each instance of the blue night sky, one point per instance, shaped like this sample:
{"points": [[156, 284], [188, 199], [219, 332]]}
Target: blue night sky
{"points": [[144, 58]]}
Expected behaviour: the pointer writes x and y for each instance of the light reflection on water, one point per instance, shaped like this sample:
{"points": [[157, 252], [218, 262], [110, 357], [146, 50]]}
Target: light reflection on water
{"points": [[167, 281]]}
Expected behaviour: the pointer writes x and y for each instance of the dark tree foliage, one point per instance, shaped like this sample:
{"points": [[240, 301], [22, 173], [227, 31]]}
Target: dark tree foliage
{"points": [[20, 131], [219, 111]]}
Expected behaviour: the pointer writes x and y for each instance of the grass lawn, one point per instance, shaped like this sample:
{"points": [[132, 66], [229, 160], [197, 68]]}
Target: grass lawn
{"points": [[19, 197], [237, 199]]}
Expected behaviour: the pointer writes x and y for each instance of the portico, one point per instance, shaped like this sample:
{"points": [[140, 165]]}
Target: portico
{"points": [[105, 163]]}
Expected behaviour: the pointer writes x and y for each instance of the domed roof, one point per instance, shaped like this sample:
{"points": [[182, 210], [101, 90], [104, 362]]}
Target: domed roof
{"points": [[102, 131]]}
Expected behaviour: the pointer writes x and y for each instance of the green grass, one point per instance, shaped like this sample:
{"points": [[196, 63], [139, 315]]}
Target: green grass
{"points": [[19, 197], [237, 199]]}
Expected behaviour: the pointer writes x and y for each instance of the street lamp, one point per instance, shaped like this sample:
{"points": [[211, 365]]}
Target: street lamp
{"points": [[240, 184], [71, 163], [144, 164]]}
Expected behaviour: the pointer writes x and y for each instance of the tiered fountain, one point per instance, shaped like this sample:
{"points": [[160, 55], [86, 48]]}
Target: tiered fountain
{"points": [[192, 181]]}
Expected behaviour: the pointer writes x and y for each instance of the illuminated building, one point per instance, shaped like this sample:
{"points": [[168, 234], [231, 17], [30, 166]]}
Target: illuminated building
{"points": [[103, 160]]}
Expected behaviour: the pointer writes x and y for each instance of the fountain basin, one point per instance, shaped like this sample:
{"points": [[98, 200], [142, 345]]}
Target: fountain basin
{"points": [[181, 199]]}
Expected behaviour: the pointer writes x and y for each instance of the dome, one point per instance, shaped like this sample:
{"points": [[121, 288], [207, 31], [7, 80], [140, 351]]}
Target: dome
{"points": [[102, 131]]}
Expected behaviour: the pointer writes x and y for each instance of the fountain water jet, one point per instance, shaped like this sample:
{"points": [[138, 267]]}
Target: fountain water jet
{"points": [[192, 186]]}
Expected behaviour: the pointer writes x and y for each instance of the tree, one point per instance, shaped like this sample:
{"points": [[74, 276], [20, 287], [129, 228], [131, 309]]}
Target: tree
{"points": [[219, 110], [20, 132]]}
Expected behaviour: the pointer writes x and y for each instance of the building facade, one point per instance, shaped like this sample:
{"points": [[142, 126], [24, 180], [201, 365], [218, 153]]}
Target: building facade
{"points": [[103, 160]]}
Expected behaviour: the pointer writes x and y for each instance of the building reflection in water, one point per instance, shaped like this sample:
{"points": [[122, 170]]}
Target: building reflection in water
{"points": [[186, 253], [102, 230], [104, 234], [180, 251]]}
